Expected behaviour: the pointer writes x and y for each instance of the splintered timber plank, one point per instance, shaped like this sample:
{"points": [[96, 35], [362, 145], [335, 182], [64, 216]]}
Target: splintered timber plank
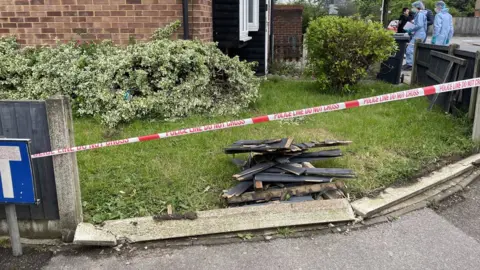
{"points": [[291, 169], [238, 189], [326, 153], [272, 194], [339, 173], [258, 185], [308, 159], [283, 144], [274, 177], [307, 165], [274, 170], [249, 173], [328, 143]]}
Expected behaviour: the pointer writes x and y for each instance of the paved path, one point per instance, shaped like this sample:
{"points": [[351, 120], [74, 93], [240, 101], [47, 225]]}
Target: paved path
{"points": [[420, 240]]}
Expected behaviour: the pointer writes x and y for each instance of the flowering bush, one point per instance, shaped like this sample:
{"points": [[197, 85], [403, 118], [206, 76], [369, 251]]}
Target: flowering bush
{"points": [[162, 78]]}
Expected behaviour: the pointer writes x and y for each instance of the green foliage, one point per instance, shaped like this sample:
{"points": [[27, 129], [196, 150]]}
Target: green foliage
{"points": [[458, 8], [287, 68], [161, 79], [369, 8], [340, 50], [312, 9], [348, 9], [166, 32]]}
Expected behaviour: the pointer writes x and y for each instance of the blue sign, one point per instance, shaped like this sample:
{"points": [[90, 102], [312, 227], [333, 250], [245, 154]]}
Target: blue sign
{"points": [[17, 185]]}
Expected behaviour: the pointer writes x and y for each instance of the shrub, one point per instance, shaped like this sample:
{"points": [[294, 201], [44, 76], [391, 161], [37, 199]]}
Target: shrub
{"points": [[341, 49], [161, 79]]}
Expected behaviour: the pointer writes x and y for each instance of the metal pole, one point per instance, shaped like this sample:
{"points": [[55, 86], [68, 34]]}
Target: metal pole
{"points": [[186, 30], [13, 229]]}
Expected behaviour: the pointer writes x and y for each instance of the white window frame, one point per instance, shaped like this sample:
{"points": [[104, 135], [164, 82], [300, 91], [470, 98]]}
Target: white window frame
{"points": [[255, 25], [245, 25], [243, 14]]}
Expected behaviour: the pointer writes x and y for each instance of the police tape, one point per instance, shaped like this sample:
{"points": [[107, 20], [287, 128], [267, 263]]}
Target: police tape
{"points": [[396, 96]]}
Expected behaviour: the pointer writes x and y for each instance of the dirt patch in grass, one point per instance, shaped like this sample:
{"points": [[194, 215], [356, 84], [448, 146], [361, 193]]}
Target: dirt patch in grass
{"points": [[392, 143]]}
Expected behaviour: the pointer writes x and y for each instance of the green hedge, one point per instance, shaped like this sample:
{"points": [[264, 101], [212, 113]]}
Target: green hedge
{"points": [[161, 79], [340, 49]]}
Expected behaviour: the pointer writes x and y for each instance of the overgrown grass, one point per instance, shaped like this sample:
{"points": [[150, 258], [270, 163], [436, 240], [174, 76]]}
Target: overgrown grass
{"points": [[391, 142]]}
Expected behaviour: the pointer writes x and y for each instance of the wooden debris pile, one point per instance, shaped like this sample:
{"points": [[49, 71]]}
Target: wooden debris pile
{"points": [[280, 169]]}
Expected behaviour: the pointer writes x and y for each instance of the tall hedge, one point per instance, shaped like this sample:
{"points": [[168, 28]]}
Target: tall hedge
{"points": [[161, 79], [340, 49]]}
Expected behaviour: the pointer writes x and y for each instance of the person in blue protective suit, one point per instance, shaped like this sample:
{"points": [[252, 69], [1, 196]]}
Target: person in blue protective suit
{"points": [[443, 25], [419, 31]]}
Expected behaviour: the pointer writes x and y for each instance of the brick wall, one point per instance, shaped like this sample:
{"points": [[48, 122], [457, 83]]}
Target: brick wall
{"points": [[44, 22], [287, 29], [201, 19]]}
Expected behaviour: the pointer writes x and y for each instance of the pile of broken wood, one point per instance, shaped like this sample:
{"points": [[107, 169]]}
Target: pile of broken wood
{"points": [[280, 170]]}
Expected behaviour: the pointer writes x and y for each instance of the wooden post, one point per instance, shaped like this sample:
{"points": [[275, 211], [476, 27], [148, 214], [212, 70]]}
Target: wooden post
{"points": [[473, 97], [12, 222], [476, 119], [413, 78], [452, 48]]}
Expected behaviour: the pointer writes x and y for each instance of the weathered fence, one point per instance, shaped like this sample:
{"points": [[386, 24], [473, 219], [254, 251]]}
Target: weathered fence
{"points": [[427, 68], [466, 26], [48, 124]]}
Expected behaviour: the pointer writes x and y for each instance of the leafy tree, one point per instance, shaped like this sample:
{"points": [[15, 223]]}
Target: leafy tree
{"points": [[312, 9]]}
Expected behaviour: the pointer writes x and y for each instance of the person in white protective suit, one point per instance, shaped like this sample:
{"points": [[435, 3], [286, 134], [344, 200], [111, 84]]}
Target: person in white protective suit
{"points": [[419, 31], [443, 25]]}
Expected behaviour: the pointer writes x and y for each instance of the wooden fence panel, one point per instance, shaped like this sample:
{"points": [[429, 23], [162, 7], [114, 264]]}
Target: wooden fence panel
{"points": [[28, 120]]}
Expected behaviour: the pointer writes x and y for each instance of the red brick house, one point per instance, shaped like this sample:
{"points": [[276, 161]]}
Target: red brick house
{"points": [[241, 27]]}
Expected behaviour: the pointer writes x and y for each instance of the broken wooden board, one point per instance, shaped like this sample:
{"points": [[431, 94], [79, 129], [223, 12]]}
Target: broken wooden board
{"points": [[369, 206], [275, 177], [258, 185], [291, 169], [232, 220], [249, 173], [283, 145], [325, 153], [238, 189], [279, 193], [338, 173]]}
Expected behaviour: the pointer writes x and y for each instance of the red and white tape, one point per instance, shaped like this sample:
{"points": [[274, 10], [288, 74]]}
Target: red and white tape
{"points": [[401, 95]]}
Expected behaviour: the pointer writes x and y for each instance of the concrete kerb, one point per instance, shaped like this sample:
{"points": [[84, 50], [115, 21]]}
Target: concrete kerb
{"points": [[368, 207], [224, 221]]}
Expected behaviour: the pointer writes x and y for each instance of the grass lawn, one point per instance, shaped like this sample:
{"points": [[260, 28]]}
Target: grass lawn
{"points": [[391, 142]]}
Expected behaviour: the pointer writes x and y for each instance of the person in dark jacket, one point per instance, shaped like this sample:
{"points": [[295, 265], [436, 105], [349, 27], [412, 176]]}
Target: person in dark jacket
{"points": [[404, 18], [430, 20]]}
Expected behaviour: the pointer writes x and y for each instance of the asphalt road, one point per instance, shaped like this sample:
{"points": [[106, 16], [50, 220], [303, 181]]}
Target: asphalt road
{"points": [[463, 210]]}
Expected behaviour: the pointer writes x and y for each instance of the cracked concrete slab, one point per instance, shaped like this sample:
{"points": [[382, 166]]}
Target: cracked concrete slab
{"points": [[434, 194], [369, 206], [87, 234], [233, 220]]}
